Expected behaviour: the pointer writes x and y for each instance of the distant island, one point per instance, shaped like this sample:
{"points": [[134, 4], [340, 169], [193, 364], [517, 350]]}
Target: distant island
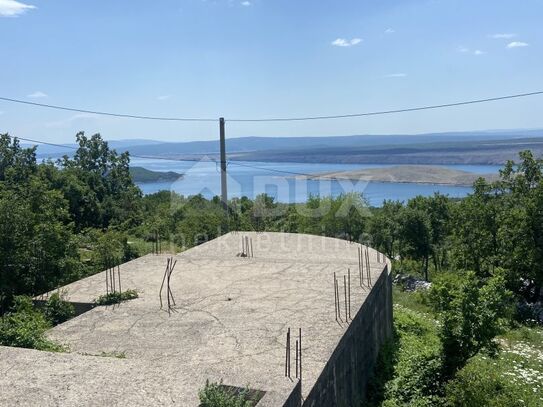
{"points": [[142, 175], [416, 174]]}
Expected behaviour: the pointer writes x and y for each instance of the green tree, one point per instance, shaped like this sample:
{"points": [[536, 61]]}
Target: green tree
{"points": [[473, 313], [384, 227], [99, 187], [416, 236], [37, 249], [17, 164], [475, 231], [437, 208]]}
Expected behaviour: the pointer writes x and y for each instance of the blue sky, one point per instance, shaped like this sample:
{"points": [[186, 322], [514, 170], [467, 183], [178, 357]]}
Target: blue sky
{"points": [[262, 58]]}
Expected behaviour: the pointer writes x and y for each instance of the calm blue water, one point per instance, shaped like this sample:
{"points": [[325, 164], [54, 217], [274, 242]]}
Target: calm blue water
{"points": [[204, 178]]}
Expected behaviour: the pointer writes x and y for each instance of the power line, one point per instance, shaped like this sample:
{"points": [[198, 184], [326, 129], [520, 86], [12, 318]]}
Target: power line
{"points": [[147, 157], [122, 115], [277, 119], [385, 112], [230, 162]]}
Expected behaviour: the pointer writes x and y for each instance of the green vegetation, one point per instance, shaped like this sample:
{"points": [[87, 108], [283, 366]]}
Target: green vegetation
{"points": [[465, 341], [118, 355], [140, 174], [24, 326], [57, 309], [409, 367], [414, 368], [51, 212], [116, 297], [218, 395]]}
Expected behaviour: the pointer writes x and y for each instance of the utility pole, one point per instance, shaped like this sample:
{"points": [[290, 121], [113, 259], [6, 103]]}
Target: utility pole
{"points": [[224, 193]]}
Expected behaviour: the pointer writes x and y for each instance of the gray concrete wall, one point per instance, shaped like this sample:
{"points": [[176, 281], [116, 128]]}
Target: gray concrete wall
{"points": [[290, 396], [344, 380]]}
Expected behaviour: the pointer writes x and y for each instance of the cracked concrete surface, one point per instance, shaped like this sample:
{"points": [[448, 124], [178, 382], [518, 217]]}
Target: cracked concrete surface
{"points": [[229, 323]]}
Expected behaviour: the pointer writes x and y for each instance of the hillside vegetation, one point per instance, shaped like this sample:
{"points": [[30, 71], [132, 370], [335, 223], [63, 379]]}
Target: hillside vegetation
{"points": [[62, 221]]}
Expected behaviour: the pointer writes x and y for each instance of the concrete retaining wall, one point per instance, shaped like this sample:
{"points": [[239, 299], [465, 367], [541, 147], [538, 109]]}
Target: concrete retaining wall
{"points": [[290, 396], [344, 380]]}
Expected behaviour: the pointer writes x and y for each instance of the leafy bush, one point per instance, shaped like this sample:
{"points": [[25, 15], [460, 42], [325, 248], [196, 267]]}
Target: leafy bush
{"points": [[473, 313], [410, 366], [116, 297], [217, 395], [57, 310], [25, 327], [480, 383]]}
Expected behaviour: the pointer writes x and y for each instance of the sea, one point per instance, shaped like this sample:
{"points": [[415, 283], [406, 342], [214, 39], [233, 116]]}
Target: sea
{"points": [[279, 180]]}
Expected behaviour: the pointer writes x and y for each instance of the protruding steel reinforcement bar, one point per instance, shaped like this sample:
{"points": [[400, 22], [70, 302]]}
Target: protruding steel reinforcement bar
{"points": [[368, 267], [112, 271], [163, 280], [300, 341], [349, 289], [286, 356], [119, 275], [171, 271], [296, 358], [107, 281], [345, 289], [360, 265], [287, 366], [335, 296], [338, 300]]}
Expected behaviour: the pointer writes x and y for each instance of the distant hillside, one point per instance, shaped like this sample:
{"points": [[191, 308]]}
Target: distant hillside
{"points": [[68, 149], [477, 147], [418, 174], [490, 152], [294, 144], [141, 175]]}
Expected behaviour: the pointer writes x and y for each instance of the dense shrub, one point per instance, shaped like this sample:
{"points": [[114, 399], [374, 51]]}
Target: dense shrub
{"points": [[410, 366], [481, 384], [217, 395], [57, 310], [116, 297], [472, 314], [25, 327]]}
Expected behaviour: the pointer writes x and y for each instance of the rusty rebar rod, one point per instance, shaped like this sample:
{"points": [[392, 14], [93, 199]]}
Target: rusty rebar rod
{"points": [[369, 268], [107, 282], [345, 289], [172, 266], [338, 302], [300, 341], [286, 356], [163, 280], [349, 290], [335, 297], [168, 291], [296, 358], [119, 275], [360, 265], [288, 352], [112, 271]]}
